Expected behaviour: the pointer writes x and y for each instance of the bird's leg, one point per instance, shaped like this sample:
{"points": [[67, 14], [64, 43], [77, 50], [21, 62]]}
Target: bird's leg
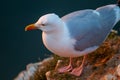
{"points": [[66, 68], [78, 71]]}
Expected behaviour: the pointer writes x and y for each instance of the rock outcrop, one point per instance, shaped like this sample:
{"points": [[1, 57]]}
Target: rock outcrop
{"points": [[103, 64]]}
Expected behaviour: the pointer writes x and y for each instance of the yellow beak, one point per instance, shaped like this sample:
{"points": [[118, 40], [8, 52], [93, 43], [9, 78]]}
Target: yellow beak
{"points": [[30, 27]]}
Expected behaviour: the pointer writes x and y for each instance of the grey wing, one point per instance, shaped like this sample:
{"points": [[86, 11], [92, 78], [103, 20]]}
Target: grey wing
{"points": [[89, 28]]}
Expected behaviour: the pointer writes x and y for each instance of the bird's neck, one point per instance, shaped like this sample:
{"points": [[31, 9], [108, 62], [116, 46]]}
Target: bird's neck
{"points": [[57, 33]]}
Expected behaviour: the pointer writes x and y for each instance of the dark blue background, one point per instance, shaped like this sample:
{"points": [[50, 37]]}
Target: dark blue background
{"points": [[19, 48]]}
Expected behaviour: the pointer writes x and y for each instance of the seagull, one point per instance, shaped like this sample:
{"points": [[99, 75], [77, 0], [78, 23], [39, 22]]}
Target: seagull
{"points": [[78, 33]]}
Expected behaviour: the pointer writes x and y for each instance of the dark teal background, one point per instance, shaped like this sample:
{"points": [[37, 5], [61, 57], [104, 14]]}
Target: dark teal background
{"points": [[19, 48]]}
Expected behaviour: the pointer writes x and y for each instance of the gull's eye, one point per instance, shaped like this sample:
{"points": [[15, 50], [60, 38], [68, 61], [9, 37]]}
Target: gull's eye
{"points": [[42, 24]]}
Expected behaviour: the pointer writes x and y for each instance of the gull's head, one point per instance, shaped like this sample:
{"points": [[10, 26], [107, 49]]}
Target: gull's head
{"points": [[46, 23]]}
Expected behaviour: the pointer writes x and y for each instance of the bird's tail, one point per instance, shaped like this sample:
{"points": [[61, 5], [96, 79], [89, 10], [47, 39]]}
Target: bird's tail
{"points": [[118, 3]]}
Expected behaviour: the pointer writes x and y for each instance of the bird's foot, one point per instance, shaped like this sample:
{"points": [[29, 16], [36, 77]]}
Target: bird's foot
{"points": [[65, 69], [77, 71]]}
